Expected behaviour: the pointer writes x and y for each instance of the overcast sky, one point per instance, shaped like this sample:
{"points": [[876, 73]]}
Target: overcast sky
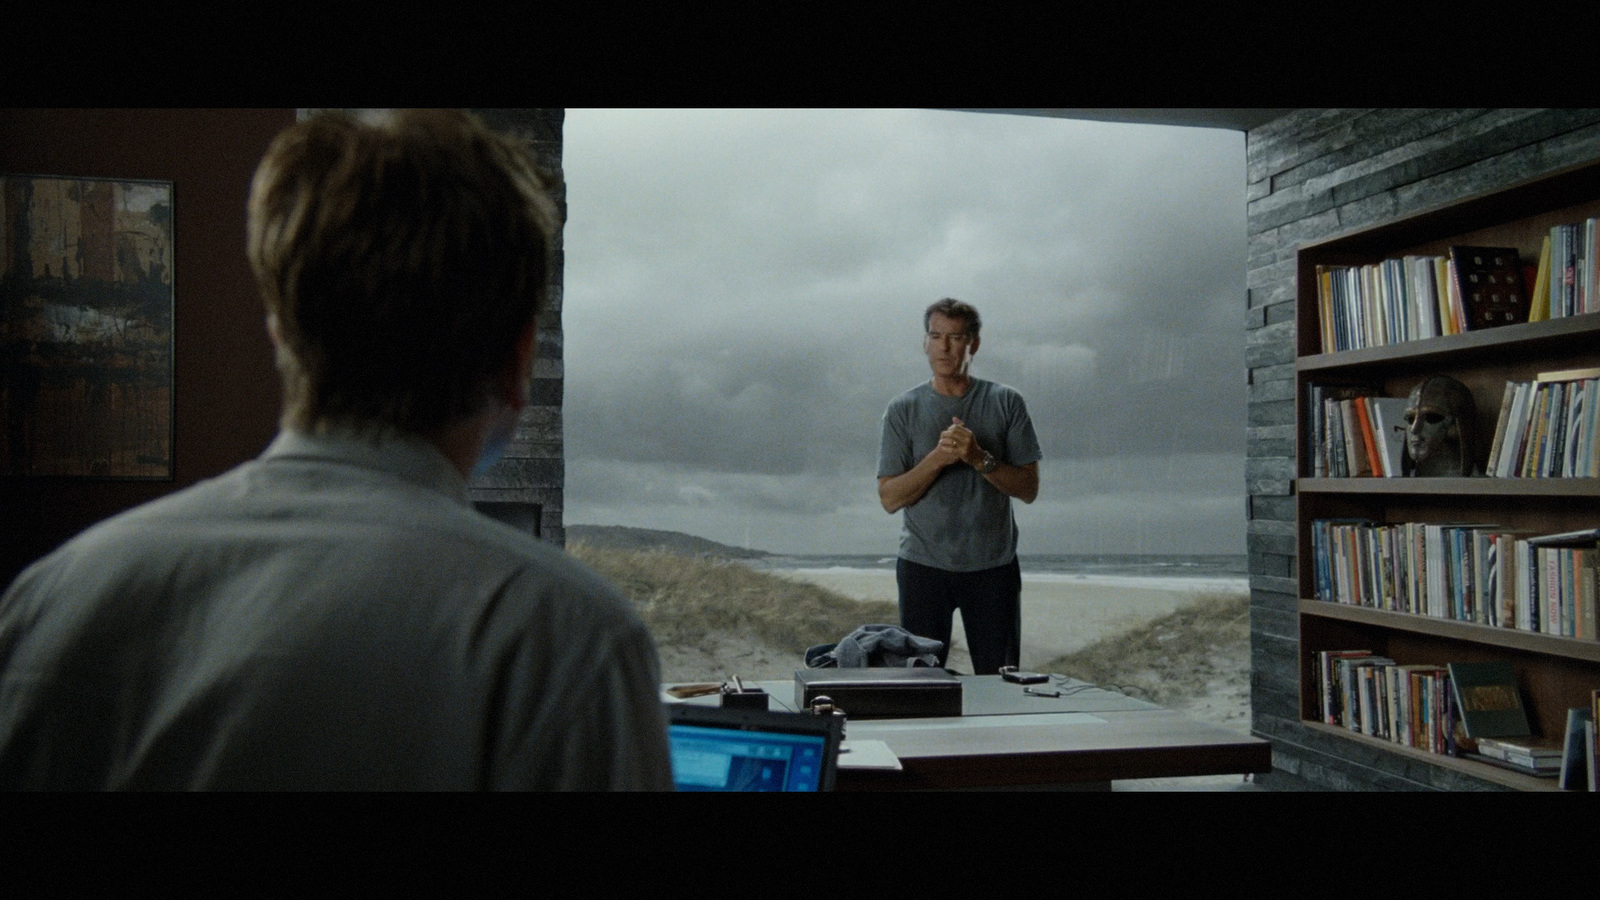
{"points": [[744, 293]]}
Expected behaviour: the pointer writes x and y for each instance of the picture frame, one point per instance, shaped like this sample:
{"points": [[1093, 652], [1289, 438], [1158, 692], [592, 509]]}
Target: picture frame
{"points": [[86, 327]]}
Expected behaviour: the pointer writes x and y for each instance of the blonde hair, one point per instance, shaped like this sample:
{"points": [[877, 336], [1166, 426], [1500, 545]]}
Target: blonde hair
{"points": [[400, 259]]}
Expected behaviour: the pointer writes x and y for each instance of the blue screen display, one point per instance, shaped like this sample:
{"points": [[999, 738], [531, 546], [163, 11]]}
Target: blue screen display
{"points": [[720, 759]]}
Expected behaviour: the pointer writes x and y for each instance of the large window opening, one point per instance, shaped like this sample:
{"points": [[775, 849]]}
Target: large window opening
{"points": [[743, 296]]}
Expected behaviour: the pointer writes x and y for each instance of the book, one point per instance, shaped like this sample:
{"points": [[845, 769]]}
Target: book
{"points": [[1539, 310], [1535, 771], [1574, 759], [1568, 374], [1389, 432], [1507, 400], [1487, 699], [1594, 740], [1589, 751], [1362, 411], [1489, 280], [1538, 756], [1529, 748], [1355, 446], [1444, 276], [1591, 272], [1560, 271]]}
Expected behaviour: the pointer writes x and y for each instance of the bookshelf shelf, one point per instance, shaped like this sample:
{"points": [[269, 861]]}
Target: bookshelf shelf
{"points": [[1533, 642], [1575, 488], [1554, 673], [1479, 770], [1552, 337]]}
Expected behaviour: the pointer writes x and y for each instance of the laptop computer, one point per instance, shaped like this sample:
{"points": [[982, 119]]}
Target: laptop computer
{"points": [[716, 749]]}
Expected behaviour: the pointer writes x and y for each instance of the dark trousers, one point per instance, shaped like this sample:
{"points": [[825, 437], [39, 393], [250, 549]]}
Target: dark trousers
{"points": [[991, 610]]}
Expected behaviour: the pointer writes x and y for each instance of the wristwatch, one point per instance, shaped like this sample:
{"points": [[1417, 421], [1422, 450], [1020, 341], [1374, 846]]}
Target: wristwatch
{"points": [[989, 463]]}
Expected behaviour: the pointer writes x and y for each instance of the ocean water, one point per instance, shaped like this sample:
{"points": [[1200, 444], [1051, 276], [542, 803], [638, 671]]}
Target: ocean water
{"points": [[1173, 572]]}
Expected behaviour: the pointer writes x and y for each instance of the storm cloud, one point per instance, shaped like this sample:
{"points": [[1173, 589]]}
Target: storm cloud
{"points": [[743, 297]]}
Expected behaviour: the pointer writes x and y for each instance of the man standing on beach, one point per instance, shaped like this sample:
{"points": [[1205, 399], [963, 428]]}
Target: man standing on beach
{"points": [[954, 451], [335, 615]]}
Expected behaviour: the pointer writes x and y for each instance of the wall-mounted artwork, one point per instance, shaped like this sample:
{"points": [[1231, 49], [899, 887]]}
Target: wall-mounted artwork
{"points": [[86, 367]]}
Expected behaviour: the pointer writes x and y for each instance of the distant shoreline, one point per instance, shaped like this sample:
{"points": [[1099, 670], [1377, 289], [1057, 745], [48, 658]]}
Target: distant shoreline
{"points": [[1176, 571], [1183, 583], [1186, 583]]}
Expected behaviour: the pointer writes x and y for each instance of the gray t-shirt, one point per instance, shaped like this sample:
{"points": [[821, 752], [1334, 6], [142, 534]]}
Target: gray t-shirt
{"points": [[963, 523], [333, 615]]}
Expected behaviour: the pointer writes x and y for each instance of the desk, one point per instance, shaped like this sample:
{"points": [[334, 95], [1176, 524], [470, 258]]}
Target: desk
{"points": [[1006, 739]]}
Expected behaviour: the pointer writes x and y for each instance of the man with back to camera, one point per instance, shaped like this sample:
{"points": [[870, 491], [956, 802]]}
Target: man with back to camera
{"points": [[954, 451], [334, 614]]}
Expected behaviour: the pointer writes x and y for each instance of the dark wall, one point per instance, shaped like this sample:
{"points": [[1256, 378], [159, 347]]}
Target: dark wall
{"points": [[226, 394], [1313, 174]]}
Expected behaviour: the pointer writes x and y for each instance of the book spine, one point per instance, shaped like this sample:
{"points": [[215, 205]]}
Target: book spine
{"points": [[1508, 395], [1549, 578]]}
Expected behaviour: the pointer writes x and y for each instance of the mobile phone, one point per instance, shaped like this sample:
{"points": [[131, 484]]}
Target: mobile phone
{"points": [[1010, 673]]}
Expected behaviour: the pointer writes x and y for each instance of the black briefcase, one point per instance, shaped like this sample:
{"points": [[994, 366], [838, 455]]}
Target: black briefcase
{"points": [[882, 693]]}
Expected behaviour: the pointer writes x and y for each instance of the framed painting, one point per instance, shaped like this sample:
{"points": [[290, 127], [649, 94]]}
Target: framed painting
{"points": [[86, 309]]}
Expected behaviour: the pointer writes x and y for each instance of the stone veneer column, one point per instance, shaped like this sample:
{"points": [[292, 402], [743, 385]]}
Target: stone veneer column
{"points": [[525, 487], [533, 471]]}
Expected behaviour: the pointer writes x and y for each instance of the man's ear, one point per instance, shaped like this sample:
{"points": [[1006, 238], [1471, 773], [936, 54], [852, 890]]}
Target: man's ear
{"points": [[516, 382]]}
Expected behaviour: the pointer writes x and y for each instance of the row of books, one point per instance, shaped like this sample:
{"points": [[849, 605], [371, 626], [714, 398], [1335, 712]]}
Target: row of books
{"points": [[1355, 432], [1370, 694], [1472, 710], [1483, 574], [1548, 427], [1417, 297], [1568, 279], [1402, 299]]}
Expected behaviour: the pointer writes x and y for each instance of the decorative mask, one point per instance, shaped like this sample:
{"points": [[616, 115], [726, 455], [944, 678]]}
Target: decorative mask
{"points": [[1441, 429]]}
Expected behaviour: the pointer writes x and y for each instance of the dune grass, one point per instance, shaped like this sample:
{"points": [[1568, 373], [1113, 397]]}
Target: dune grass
{"points": [[699, 602], [1173, 659], [693, 601]]}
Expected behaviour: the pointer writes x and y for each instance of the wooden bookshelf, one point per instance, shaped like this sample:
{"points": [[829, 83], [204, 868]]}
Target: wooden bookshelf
{"points": [[1554, 673]]}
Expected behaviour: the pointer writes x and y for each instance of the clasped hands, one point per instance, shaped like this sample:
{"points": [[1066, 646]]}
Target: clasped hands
{"points": [[958, 444]]}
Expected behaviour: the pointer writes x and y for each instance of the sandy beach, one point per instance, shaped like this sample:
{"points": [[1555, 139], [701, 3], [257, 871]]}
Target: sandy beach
{"points": [[1060, 613]]}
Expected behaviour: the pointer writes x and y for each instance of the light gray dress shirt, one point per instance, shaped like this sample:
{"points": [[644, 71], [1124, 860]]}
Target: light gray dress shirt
{"points": [[332, 615]]}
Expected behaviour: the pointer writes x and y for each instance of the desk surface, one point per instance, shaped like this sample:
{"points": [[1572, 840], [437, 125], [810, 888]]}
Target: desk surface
{"points": [[1006, 738]]}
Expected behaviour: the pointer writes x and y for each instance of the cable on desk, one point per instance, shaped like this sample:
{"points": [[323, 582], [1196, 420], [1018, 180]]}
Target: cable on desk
{"points": [[1068, 690]]}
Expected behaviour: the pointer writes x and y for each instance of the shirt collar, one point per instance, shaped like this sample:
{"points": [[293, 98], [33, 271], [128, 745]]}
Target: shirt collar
{"points": [[403, 455]]}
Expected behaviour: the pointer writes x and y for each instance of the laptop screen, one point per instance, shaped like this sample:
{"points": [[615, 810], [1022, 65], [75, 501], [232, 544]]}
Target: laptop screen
{"points": [[715, 749]]}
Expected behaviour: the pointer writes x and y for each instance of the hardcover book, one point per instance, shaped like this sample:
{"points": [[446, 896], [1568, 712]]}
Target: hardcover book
{"points": [[1530, 751], [1537, 771], [1488, 700], [1490, 282]]}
